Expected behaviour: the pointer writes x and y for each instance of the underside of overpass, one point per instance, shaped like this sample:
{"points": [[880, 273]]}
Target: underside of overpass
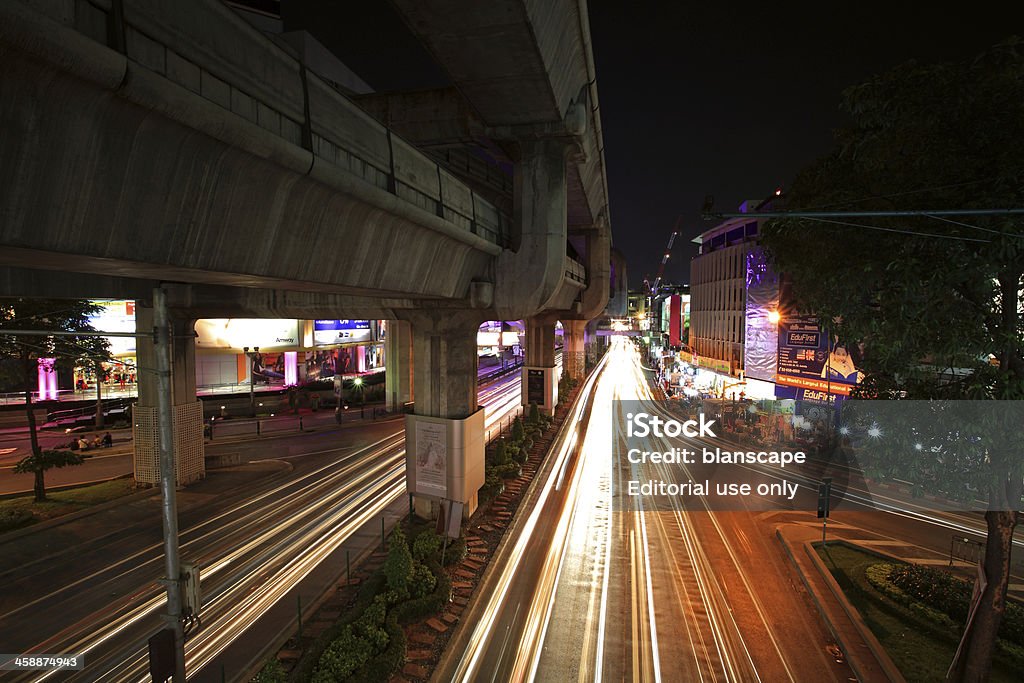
{"points": [[173, 145]]}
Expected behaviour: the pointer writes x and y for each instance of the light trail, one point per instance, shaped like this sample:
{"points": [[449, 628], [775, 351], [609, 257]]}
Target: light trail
{"points": [[250, 561]]}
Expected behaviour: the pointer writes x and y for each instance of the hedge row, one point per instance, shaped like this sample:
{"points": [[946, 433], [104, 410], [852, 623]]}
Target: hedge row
{"points": [[952, 596], [370, 645], [929, 616]]}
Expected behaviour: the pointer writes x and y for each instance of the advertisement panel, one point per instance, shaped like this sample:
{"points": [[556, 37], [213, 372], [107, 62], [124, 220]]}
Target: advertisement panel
{"points": [[761, 339], [117, 315], [431, 459], [675, 320], [237, 333], [810, 359], [327, 363], [327, 332]]}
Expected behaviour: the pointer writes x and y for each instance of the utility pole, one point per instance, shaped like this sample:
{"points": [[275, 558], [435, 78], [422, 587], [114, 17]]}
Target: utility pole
{"points": [[252, 378], [168, 478]]}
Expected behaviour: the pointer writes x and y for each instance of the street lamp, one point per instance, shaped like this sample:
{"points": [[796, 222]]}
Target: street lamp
{"points": [[358, 382], [252, 377]]}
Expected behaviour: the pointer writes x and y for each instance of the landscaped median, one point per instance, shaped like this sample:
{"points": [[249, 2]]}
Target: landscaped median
{"points": [[396, 624], [917, 613], [23, 511]]}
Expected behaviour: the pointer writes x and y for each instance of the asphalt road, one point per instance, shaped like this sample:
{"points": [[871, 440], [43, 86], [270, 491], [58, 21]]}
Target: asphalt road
{"points": [[594, 586], [266, 534]]}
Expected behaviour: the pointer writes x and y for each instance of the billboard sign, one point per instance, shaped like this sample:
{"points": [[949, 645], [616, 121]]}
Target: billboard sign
{"points": [[675, 320], [810, 359], [326, 332], [237, 333], [116, 316]]}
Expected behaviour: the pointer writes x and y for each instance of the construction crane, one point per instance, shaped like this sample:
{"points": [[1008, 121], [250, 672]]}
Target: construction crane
{"points": [[656, 285]]}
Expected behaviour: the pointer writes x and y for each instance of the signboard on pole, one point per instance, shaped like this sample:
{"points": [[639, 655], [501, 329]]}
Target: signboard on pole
{"points": [[431, 459], [535, 387]]}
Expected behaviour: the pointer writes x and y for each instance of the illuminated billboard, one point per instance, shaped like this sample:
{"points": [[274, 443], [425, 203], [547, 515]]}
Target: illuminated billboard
{"points": [[237, 333], [116, 315], [327, 332], [810, 359]]}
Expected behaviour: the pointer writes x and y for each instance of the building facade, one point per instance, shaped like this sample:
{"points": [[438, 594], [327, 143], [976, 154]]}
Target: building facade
{"points": [[718, 291]]}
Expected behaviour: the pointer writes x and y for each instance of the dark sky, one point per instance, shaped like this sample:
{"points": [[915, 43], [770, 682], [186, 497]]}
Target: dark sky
{"points": [[699, 100], [720, 99]]}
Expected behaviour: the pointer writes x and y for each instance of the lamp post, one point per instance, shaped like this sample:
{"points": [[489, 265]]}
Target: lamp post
{"points": [[358, 383], [252, 378]]}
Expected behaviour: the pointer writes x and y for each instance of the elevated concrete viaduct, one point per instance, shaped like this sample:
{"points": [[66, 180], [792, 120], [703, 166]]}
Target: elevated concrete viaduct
{"points": [[152, 144]]}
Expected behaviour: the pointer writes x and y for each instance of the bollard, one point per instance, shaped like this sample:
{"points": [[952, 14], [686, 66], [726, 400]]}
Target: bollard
{"points": [[300, 423], [258, 427]]}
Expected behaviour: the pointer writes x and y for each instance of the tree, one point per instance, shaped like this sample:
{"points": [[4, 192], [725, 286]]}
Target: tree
{"points": [[936, 301], [22, 351], [38, 463]]}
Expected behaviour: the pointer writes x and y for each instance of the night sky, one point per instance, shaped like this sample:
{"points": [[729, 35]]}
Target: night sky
{"points": [[701, 100]]}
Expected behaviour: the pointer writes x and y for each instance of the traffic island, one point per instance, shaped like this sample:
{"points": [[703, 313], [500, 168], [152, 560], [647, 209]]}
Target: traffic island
{"points": [[916, 629]]}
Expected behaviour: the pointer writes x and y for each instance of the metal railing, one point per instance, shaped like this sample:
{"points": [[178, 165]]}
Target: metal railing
{"points": [[574, 270]]}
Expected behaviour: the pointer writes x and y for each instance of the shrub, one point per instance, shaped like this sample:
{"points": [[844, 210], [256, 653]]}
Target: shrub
{"points": [[522, 456], [382, 667], [426, 545], [501, 452], [272, 672], [423, 581], [455, 552], [343, 657], [534, 416], [14, 519], [430, 603], [398, 565], [952, 596], [517, 429]]}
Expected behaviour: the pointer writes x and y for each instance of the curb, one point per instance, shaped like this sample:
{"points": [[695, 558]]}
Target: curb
{"points": [[889, 668], [885, 664]]}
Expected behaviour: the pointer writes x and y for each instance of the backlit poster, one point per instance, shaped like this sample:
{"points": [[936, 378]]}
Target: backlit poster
{"points": [[431, 459], [327, 332]]}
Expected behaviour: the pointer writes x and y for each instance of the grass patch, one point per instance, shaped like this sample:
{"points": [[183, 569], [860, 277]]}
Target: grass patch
{"points": [[16, 513], [922, 652]]}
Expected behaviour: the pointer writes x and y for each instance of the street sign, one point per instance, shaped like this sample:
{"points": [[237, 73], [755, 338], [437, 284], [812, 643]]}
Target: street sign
{"points": [[161, 655]]}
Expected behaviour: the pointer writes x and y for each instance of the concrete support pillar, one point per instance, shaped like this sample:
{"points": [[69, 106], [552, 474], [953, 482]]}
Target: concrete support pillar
{"points": [[189, 450], [398, 360], [444, 438], [573, 350], [592, 343], [540, 376], [531, 272]]}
